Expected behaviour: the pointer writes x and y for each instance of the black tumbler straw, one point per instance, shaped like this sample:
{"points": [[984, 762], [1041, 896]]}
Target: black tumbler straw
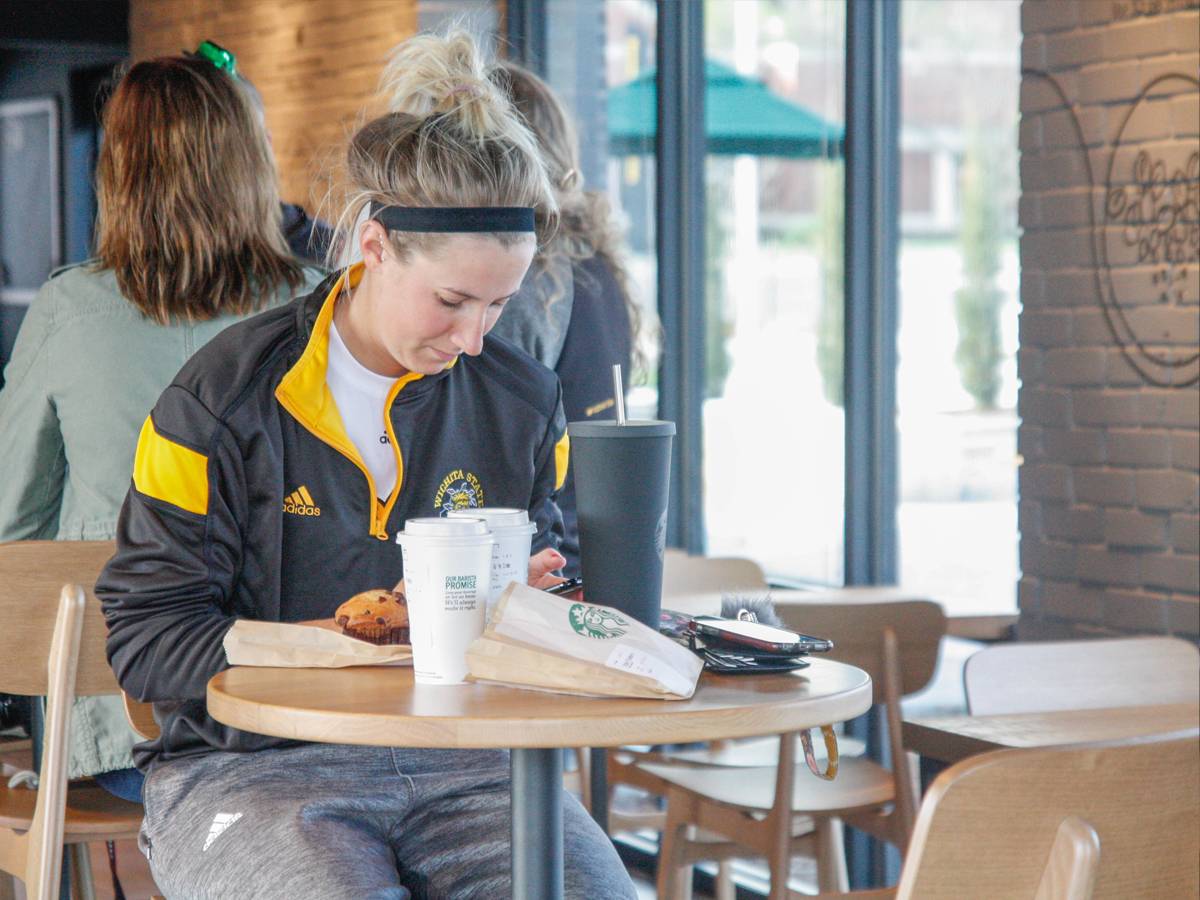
{"points": [[619, 393]]}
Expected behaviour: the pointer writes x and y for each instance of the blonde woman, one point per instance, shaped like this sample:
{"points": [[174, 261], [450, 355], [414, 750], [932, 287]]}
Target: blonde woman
{"points": [[375, 394], [188, 242]]}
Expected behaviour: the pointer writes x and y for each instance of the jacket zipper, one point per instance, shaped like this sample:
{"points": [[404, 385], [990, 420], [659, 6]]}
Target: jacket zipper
{"points": [[378, 516]]}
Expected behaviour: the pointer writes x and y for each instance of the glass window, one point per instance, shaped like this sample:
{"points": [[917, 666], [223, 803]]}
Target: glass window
{"points": [[29, 205], [916, 183], [773, 429], [601, 62], [631, 28], [956, 382], [479, 17]]}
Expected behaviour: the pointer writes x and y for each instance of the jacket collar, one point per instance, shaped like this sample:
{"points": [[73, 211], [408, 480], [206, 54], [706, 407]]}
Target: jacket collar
{"points": [[303, 391]]}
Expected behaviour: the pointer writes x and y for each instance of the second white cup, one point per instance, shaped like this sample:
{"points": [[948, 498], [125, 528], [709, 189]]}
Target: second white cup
{"points": [[510, 554], [447, 577]]}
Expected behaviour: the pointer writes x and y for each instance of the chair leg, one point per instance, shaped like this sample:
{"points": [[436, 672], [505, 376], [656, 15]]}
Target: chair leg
{"points": [[82, 886], [780, 863], [725, 887], [670, 872], [687, 873], [832, 876], [583, 759]]}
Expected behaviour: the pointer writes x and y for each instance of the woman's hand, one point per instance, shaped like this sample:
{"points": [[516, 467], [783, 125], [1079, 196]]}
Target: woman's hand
{"points": [[542, 564]]}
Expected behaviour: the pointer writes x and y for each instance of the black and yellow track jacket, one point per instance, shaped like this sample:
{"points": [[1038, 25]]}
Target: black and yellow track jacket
{"points": [[249, 500]]}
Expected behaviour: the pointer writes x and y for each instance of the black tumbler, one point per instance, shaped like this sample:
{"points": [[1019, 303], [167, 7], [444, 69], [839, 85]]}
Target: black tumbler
{"points": [[622, 482]]}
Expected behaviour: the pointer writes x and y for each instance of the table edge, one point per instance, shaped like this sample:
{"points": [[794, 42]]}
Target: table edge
{"points": [[468, 733], [927, 736]]}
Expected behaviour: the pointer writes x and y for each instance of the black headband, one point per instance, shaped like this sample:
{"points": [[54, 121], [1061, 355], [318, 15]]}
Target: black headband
{"points": [[453, 218]]}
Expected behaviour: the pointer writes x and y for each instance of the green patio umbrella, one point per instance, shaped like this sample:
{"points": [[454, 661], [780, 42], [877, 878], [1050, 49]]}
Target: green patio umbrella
{"points": [[741, 115]]}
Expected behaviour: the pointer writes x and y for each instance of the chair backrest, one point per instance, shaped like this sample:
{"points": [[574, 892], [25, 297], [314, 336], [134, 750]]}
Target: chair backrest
{"points": [[57, 656], [857, 629], [897, 644], [689, 576], [988, 824], [35, 856], [141, 718], [1090, 674], [32, 574]]}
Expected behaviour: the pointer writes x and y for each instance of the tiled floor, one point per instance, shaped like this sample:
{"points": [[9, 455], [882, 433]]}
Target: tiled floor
{"points": [[645, 887], [132, 869]]}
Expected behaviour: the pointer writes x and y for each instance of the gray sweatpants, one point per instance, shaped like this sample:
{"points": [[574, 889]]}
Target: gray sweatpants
{"points": [[327, 821]]}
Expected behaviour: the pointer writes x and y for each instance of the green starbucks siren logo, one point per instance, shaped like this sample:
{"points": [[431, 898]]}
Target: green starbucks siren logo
{"points": [[596, 621]]}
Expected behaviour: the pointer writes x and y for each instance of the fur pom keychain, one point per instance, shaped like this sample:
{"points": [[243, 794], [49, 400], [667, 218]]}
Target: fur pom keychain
{"points": [[750, 609]]}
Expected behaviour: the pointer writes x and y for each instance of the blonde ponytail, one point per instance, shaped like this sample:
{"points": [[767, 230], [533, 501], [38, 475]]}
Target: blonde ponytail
{"points": [[431, 75], [452, 139]]}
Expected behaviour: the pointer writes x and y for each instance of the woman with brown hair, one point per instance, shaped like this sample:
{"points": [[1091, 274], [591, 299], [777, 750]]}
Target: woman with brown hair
{"points": [[188, 241]]}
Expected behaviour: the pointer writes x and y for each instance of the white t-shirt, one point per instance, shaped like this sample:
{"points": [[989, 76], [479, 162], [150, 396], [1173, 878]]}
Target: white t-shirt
{"points": [[361, 398]]}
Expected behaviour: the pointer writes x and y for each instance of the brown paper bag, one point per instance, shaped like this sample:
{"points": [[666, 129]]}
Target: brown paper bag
{"points": [[306, 645], [542, 641]]}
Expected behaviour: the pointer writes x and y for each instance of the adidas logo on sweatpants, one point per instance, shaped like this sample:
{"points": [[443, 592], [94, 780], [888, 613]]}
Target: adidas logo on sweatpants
{"points": [[218, 826]]}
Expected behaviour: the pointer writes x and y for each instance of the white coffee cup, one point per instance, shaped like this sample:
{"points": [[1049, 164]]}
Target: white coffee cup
{"points": [[447, 577], [510, 554]]}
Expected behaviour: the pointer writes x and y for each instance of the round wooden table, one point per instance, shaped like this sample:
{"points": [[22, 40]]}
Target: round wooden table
{"points": [[384, 706]]}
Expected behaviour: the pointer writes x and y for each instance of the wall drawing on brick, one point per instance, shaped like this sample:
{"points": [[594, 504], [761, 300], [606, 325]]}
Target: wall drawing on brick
{"points": [[1151, 219], [1155, 208], [1158, 213]]}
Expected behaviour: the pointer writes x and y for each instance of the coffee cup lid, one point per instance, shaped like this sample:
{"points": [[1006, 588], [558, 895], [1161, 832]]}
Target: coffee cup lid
{"points": [[631, 428], [436, 526], [495, 516]]}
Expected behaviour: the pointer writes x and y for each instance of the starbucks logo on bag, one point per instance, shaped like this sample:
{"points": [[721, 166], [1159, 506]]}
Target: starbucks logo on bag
{"points": [[596, 622]]}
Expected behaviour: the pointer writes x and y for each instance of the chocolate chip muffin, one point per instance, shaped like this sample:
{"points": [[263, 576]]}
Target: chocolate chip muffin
{"points": [[378, 616]]}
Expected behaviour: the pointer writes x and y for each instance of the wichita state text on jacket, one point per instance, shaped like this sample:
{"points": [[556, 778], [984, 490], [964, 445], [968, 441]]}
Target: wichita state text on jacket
{"points": [[248, 499]]}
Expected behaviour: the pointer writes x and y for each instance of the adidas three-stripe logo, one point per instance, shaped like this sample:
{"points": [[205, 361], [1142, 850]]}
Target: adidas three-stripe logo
{"points": [[220, 822], [300, 503]]}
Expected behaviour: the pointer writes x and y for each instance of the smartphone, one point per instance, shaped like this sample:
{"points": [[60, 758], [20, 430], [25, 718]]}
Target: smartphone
{"points": [[758, 636], [570, 586]]}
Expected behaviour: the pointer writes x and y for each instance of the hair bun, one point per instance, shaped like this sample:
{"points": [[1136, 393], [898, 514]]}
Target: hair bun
{"points": [[429, 75], [451, 138]]}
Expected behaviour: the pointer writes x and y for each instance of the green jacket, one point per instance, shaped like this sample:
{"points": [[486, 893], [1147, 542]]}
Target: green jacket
{"points": [[86, 369]]}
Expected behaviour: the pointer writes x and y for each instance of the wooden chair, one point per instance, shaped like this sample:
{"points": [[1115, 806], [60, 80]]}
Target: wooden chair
{"points": [[34, 825], [696, 583], [1100, 821], [1090, 674], [141, 718], [777, 811]]}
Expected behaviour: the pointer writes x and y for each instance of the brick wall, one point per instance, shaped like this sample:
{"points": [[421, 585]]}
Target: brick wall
{"points": [[315, 62], [1110, 286]]}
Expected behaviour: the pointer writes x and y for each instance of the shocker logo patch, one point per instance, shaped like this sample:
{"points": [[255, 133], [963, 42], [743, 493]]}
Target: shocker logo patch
{"points": [[458, 490]]}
